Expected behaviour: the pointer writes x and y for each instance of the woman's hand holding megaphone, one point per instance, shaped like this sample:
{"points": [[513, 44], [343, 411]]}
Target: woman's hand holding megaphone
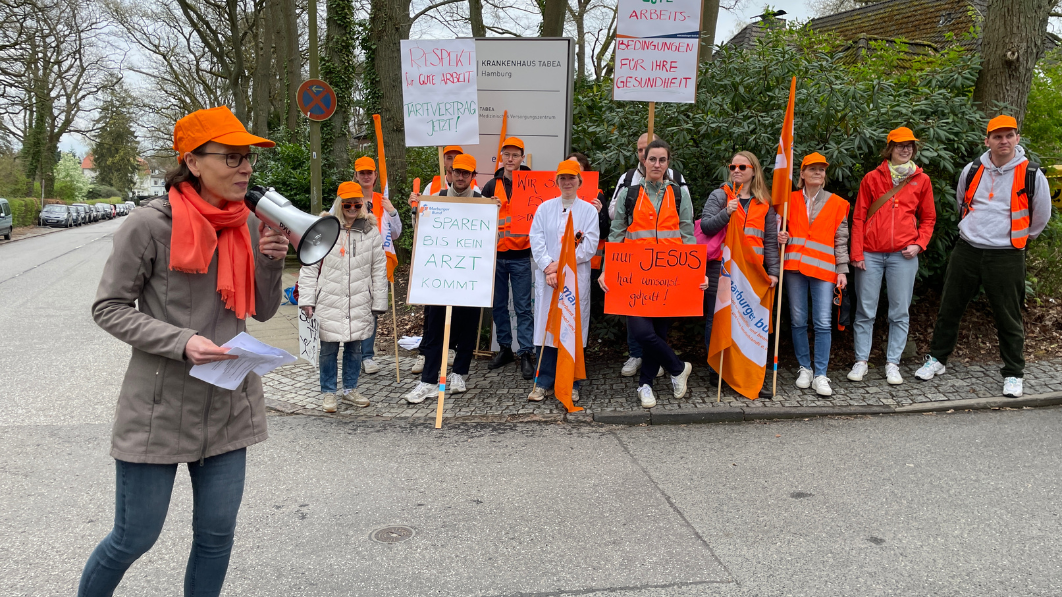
{"points": [[271, 243]]}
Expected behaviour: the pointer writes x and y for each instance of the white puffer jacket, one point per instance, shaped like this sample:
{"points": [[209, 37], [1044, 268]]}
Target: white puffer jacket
{"points": [[349, 285]]}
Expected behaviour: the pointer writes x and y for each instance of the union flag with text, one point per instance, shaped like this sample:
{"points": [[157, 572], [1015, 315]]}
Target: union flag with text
{"points": [[564, 322], [377, 206]]}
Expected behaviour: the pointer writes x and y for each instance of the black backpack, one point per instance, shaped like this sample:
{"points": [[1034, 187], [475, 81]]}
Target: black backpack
{"points": [[1030, 182], [632, 198]]}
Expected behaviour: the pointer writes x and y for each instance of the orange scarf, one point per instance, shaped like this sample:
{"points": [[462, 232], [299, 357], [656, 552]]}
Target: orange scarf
{"points": [[198, 229]]}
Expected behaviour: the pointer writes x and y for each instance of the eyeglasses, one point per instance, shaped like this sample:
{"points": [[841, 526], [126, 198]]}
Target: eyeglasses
{"points": [[905, 147], [741, 167], [511, 156], [655, 160], [461, 173], [233, 160], [352, 205]]}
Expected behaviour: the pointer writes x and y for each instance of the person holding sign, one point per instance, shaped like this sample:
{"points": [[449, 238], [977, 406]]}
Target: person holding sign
{"points": [[892, 223], [185, 273], [464, 321], [513, 267], [347, 290], [656, 211], [546, 231], [817, 256]]}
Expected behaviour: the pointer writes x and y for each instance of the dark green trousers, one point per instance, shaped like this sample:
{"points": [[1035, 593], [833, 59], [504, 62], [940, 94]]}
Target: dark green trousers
{"points": [[1002, 274]]}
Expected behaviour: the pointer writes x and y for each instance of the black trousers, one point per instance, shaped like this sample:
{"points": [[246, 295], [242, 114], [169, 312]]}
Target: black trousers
{"points": [[464, 330], [651, 333]]}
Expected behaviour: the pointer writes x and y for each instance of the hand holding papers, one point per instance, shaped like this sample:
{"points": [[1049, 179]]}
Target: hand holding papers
{"points": [[252, 354]]}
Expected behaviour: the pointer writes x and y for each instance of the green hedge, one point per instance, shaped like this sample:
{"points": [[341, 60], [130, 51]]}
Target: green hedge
{"points": [[25, 211]]}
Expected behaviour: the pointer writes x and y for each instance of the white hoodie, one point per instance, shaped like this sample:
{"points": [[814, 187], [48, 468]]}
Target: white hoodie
{"points": [[987, 226]]}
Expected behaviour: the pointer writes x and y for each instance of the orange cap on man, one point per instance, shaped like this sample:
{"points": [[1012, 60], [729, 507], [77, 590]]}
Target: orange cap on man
{"points": [[513, 142], [364, 163], [901, 135], [1002, 122], [465, 162], [214, 124], [452, 149], [812, 159]]}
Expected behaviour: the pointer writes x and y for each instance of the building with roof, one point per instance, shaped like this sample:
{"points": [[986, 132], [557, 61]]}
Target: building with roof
{"points": [[149, 182]]}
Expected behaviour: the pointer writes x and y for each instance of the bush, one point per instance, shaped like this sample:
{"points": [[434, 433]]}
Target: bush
{"points": [[1044, 255], [101, 192], [25, 211]]}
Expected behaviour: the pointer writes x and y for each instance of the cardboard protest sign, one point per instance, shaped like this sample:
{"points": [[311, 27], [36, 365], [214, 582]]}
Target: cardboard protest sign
{"points": [[657, 48], [532, 187], [439, 92], [309, 338], [453, 252], [654, 280]]}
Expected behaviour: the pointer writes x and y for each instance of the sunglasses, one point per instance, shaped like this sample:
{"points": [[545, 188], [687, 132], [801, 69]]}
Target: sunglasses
{"points": [[347, 205], [741, 167]]}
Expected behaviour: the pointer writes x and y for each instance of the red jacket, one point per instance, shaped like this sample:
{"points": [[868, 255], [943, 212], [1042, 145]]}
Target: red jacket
{"points": [[907, 219]]}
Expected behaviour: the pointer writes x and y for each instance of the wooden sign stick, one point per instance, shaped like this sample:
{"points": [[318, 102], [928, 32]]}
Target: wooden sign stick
{"points": [[394, 319], [442, 368], [778, 291], [719, 392], [652, 117]]}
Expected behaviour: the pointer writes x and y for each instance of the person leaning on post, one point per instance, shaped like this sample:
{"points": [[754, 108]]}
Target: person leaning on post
{"points": [[464, 321], [184, 274], [1004, 203], [513, 266], [654, 215], [817, 255], [547, 232], [347, 290], [892, 223], [747, 198]]}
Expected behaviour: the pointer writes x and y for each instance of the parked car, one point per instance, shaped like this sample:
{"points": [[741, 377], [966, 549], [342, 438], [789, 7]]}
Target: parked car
{"points": [[85, 212], [129, 207], [7, 219], [56, 214], [105, 210]]}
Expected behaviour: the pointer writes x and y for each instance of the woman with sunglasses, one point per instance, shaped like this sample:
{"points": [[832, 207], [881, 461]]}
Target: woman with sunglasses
{"points": [[747, 198], [817, 259], [184, 274], [892, 223], [348, 291]]}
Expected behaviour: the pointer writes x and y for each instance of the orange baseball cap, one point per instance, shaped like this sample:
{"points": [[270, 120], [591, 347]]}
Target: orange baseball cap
{"points": [[569, 167], [465, 162], [349, 190], [900, 135], [813, 158], [452, 149], [1002, 122], [513, 142], [364, 163], [214, 124]]}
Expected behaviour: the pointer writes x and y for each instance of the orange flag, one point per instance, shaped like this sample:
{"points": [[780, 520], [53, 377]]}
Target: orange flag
{"points": [[782, 184], [501, 139], [377, 206], [742, 316], [565, 322]]}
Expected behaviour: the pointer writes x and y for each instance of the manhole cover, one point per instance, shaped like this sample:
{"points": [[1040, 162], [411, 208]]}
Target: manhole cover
{"points": [[392, 534]]}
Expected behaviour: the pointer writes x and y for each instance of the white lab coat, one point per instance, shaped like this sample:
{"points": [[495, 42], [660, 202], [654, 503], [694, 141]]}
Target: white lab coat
{"points": [[546, 231]]}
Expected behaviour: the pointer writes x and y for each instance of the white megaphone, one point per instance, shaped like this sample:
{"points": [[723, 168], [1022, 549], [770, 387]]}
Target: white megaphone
{"points": [[313, 237]]}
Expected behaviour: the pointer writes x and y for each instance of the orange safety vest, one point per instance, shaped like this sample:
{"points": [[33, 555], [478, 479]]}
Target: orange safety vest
{"points": [[810, 248], [507, 241], [1019, 203], [755, 223], [599, 255], [648, 229]]}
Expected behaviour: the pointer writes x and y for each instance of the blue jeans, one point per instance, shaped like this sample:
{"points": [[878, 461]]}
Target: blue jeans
{"points": [[368, 345], [798, 287], [899, 273], [634, 348], [518, 273], [142, 498], [547, 371], [351, 365]]}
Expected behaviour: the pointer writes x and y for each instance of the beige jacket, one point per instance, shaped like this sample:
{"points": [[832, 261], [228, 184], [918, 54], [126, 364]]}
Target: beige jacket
{"points": [[164, 415], [349, 285]]}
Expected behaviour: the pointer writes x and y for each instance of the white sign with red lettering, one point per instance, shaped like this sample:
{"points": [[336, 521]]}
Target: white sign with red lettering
{"points": [[441, 104], [657, 48]]}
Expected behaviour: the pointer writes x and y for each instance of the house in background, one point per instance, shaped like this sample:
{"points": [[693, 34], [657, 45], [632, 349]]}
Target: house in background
{"points": [[149, 181]]}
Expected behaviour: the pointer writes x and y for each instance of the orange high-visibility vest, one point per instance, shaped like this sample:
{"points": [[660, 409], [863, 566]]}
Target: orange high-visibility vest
{"points": [[507, 241], [647, 227], [755, 222], [810, 248], [1019, 203], [599, 255]]}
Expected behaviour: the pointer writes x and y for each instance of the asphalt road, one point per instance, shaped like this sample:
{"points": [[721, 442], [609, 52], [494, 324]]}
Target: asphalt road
{"points": [[959, 504]]}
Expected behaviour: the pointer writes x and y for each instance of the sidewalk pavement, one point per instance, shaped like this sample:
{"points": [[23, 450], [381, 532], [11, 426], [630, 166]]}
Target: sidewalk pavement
{"points": [[25, 232], [501, 395]]}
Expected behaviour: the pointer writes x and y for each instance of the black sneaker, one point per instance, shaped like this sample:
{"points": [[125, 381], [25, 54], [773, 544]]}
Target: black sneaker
{"points": [[503, 358], [527, 365]]}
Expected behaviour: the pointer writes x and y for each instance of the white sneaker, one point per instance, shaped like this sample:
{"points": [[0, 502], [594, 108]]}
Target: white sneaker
{"points": [[328, 402], [892, 374], [418, 365], [450, 356], [370, 366], [456, 383], [821, 385], [645, 394], [858, 371], [660, 372], [419, 393], [678, 382], [803, 378], [537, 395], [575, 395], [354, 397], [631, 367], [1012, 387], [930, 369]]}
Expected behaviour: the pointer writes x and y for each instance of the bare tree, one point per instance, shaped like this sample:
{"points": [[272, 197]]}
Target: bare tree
{"points": [[1011, 44]]}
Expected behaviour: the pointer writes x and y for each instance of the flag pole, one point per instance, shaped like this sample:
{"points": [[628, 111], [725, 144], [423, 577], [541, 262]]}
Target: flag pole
{"points": [[394, 319], [442, 368], [719, 391], [652, 117], [778, 291]]}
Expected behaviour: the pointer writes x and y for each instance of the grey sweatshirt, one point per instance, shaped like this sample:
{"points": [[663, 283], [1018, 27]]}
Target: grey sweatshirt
{"points": [[714, 218], [618, 231], [987, 226]]}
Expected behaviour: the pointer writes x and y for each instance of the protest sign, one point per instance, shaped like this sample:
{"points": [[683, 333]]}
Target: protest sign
{"points": [[453, 252], [657, 48], [532, 187], [654, 280], [439, 92], [309, 338]]}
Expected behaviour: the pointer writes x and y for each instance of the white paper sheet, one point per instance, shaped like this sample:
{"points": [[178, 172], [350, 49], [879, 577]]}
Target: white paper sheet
{"points": [[253, 354]]}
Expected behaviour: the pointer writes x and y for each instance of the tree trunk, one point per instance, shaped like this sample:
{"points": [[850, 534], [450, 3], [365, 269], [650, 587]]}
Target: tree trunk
{"points": [[239, 71], [390, 22], [580, 40], [1012, 42], [553, 17], [293, 68], [263, 76], [709, 20], [338, 69], [475, 18]]}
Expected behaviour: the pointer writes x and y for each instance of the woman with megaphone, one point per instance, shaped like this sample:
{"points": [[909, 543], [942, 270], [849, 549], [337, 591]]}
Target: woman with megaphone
{"points": [[183, 275]]}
